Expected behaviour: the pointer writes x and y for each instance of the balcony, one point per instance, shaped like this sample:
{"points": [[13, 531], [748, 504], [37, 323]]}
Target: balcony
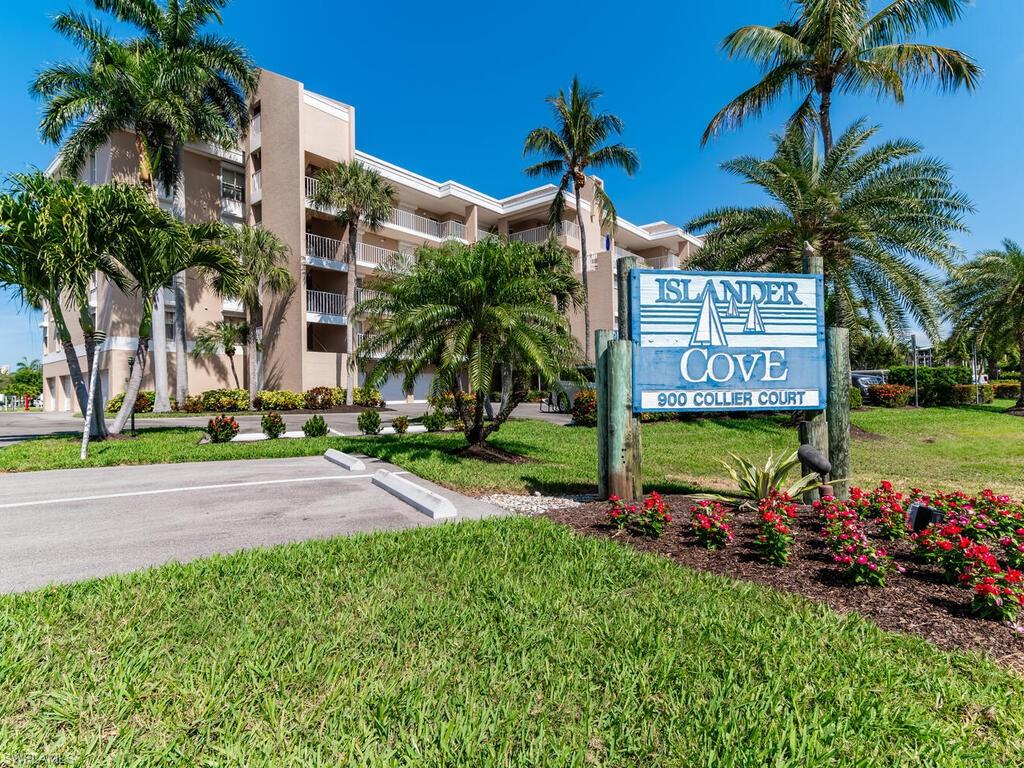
{"points": [[538, 235], [483, 234], [232, 306], [377, 257], [257, 187], [325, 251], [325, 307], [256, 132], [365, 294], [622, 253]]}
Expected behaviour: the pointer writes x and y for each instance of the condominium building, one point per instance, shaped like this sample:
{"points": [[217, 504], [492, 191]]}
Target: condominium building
{"points": [[268, 182]]}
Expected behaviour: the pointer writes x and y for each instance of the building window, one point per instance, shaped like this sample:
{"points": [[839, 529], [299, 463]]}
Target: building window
{"points": [[232, 184]]}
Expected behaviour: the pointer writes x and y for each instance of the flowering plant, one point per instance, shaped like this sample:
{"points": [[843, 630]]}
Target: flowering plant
{"points": [[945, 545], [222, 428], [845, 535], [998, 592], [710, 524], [648, 519], [775, 537], [272, 425]]}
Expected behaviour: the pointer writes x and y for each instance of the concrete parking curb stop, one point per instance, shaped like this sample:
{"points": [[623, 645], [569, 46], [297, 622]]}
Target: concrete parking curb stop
{"points": [[344, 461], [429, 503]]}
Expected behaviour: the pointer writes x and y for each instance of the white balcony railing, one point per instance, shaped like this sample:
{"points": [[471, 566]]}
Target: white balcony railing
{"points": [[312, 185], [257, 186], [257, 123], [483, 234], [325, 302], [452, 230], [375, 256], [365, 294], [621, 253], [320, 247], [538, 235]]}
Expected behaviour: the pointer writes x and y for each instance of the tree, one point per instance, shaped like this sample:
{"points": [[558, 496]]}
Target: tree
{"points": [[171, 84], [467, 310], [575, 144], [262, 260], [222, 337], [163, 247], [836, 45], [359, 196], [987, 299], [27, 379]]}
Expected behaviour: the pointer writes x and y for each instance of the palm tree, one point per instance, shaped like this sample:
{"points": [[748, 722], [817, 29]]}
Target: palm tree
{"points": [[219, 337], [574, 145], [835, 45], [987, 299], [262, 260], [171, 84], [359, 197], [466, 310]]}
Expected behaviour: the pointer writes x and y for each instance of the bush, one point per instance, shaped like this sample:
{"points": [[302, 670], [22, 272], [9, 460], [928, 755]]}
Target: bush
{"points": [[272, 425], [192, 404], [968, 394], [367, 397], [369, 422], [774, 535], [279, 400], [856, 398], [143, 402], [890, 395], [710, 524], [584, 408], [225, 400], [315, 426], [935, 385], [222, 428], [321, 398], [647, 520], [434, 421], [400, 424], [1006, 390]]}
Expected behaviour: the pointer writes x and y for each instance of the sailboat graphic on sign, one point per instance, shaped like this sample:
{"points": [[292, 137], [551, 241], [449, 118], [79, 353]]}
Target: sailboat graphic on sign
{"points": [[754, 323], [733, 310], [708, 331]]}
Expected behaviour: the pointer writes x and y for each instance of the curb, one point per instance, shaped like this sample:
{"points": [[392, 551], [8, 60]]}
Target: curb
{"points": [[429, 503], [344, 460]]}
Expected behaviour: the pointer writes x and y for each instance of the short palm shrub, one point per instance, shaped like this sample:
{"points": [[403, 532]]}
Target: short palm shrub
{"points": [[1006, 390], [315, 426], [279, 400], [400, 424], [321, 398], [143, 402], [759, 482], [584, 408], [775, 535], [222, 429], [856, 398], [225, 400], [369, 422], [890, 395], [710, 524], [434, 421], [647, 519], [272, 425]]}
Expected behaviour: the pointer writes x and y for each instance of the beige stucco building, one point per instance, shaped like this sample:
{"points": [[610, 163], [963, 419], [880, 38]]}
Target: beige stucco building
{"points": [[267, 182]]}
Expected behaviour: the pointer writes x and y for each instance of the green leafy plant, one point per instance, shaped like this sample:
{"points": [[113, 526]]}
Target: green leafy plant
{"points": [[143, 402], [315, 426], [272, 425], [856, 398], [759, 482], [890, 395], [400, 424], [222, 428], [321, 398], [584, 408], [225, 400], [369, 422], [279, 400], [434, 421], [1006, 390]]}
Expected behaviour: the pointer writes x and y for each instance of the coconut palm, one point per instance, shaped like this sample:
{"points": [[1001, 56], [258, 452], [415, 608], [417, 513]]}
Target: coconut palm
{"points": [[575, 145], [221, 337], [839, 46], [359, 197], [262, 260], [467, 310], [987, 299], [170, 84]]}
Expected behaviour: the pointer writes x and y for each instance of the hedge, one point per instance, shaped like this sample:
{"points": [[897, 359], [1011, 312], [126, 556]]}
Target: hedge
{"points": [[278, 400], [890, 395], [222, 400], [934, 384], [1006, 390], [856, 398], [143, 402]]}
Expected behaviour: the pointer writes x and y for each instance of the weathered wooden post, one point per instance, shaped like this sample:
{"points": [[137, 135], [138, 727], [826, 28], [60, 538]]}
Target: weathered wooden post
{"points": [[838, 367], [620, 441], [814, 426], [623, 268], [601, 341]]}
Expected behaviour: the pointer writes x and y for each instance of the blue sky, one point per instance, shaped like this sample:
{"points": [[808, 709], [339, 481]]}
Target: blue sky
{"points": [[449, 90]]}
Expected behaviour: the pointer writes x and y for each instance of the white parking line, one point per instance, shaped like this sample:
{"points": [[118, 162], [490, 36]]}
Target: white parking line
{"points": [[155, 492]]}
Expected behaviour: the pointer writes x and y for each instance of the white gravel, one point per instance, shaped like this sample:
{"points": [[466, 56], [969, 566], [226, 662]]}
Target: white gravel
{"points": [[536, 504]]}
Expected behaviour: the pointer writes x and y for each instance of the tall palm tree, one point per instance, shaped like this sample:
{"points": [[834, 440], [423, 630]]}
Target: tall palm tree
{"points": [[838, 45], [170, 84], [359, 197], [576, 144], [221, 337], [262, 260], [466, 310], [987, 299]]}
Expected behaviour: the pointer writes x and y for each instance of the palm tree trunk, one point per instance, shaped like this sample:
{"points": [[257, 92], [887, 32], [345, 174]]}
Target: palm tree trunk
{"points": [[180, 332], [352, 373], [162, 402], [234, 373], [250, 354], [1020, 349], [98, 425], [74, 367], [586, 280], [138, 370], [825, 116]]}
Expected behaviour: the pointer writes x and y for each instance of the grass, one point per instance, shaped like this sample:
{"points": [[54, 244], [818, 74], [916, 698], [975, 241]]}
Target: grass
{"points": [[499, 643], [943, 448]]}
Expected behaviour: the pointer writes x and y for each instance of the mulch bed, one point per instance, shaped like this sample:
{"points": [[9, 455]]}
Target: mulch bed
{"points": [[919, 601]]}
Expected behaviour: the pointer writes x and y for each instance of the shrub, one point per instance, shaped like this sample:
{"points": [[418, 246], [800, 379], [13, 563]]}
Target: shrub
{"points": [[710, 524], [279, 400], [193, 404], [225, 400], [934, 384], [272, 425], [369, 422], [222, 428], [998, 592], [315, 426], [968, 394], [774, 535], [400, 424], [856, 398], [367, 397], [757, 483], [845, 535], [1006, 390], [648, 519], [890, 395], [584, 408], [321, 398], [143, 402], [434, 421], [884, 505]]}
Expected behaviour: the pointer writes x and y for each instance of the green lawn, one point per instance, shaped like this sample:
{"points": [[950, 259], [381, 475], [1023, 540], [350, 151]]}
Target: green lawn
{"points": [[500, 643], [970, 447]]}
